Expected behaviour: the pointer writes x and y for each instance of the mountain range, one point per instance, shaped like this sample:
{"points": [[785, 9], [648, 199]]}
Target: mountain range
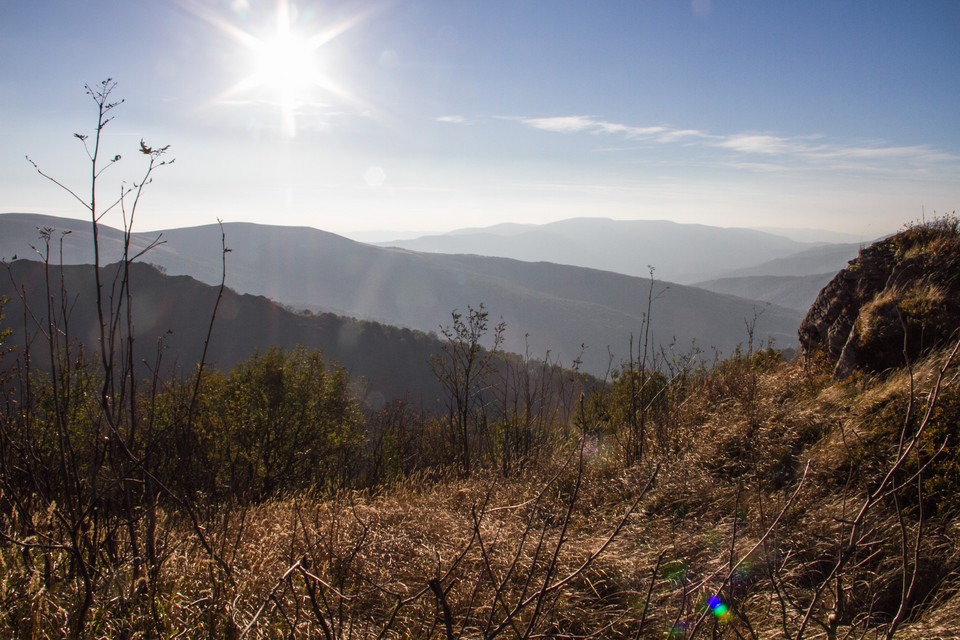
{"points": [[566, 311], [750, 263], [682, 253]]}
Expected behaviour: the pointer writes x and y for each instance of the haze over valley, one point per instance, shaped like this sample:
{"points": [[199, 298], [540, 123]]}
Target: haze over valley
{"points": [[569, 312]]}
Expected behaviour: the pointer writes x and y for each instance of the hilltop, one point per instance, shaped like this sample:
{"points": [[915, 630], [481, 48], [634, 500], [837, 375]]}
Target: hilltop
{"points": [[896, 300]]}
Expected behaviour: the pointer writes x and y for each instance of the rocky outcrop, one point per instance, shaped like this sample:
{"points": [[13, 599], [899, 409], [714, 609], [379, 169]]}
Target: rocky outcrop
{"points": [[898, 298]]}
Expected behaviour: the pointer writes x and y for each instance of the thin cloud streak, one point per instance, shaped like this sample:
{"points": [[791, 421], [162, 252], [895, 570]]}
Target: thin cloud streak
{"points": [[800, 148], [576, 124], [677, 135], [768, 145]]}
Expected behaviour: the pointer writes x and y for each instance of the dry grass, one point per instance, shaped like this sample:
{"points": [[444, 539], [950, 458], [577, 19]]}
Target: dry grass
{"points": [[752, 507]]}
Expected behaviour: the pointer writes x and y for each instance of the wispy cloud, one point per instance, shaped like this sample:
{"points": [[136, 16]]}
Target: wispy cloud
{"points": [[809, 151], [453, 119], [576, 124], [917, 152], [766, 145], [562, 124], [758, 167], [676, 135]]}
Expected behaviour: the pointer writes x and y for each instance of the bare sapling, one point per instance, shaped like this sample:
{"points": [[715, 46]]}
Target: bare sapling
{"points": [[77, 453]]}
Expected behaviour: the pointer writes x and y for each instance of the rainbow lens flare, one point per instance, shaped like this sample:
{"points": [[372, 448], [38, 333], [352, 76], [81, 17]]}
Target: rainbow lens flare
{"points": [[718, 607]]}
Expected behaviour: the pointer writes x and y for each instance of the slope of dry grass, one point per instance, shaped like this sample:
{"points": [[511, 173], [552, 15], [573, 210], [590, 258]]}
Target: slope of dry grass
{"points": [[753, 507]]}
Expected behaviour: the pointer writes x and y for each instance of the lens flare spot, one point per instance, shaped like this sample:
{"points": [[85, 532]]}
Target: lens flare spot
{"points": [[375, 177], [719, 608]]}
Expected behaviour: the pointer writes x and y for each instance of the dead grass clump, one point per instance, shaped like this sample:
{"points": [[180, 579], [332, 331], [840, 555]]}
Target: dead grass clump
{"points": [[506, 555]]}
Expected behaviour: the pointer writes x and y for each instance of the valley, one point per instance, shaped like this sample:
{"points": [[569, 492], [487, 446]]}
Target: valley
{"points": [[571, 313]]}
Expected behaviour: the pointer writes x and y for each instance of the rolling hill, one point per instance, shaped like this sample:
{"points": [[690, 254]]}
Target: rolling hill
{"points": [[569, 312], [811, 261]]}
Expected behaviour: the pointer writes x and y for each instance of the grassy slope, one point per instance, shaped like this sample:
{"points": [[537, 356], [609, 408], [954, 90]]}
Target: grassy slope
{"points": [[740, 453], [748, 438]]}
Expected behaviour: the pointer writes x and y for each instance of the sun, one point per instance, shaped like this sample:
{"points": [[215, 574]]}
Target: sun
{"points": [[286, 64], [285, 58], [287, 68]]}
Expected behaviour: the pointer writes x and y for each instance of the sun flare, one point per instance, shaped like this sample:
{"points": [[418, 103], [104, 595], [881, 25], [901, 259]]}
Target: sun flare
{"points": [[285, 63], [287, 68], [285, 59]]}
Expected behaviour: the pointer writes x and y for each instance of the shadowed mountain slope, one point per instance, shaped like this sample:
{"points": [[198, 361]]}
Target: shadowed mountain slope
{"points": [[173, 312]]}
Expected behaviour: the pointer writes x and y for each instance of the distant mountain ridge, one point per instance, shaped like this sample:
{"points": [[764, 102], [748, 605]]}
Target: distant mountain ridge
{"points": [[547, 307], [812, 261], [682, 253], [793, 292]]}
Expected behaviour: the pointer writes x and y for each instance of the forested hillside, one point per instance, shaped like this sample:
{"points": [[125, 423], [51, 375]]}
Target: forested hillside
{"points": [[172, 315]]}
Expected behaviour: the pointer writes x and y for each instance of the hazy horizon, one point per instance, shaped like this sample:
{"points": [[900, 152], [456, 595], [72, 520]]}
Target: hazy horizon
{"points": [[430, 116], [373, 236]]}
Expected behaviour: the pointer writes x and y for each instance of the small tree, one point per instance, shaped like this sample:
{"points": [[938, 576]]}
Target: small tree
{"points": [[644, 383], [528, 408], [461, 371]]}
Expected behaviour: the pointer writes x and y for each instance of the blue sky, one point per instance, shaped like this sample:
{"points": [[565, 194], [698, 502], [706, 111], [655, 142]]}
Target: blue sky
{"points": [[433, 115]]}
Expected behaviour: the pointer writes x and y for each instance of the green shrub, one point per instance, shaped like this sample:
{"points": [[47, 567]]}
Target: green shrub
{"points": [[277, 423]]}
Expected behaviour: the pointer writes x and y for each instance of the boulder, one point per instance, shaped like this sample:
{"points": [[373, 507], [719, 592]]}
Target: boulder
{"points": [[899, 298]]}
